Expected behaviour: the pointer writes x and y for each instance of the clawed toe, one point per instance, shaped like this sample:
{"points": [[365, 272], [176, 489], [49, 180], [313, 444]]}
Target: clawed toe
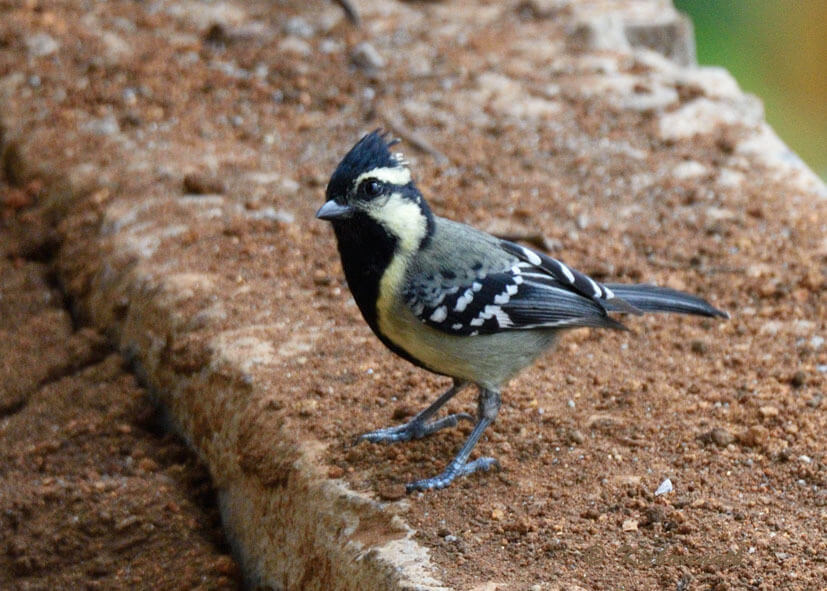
{"points": [[414, 429], [451, 473]]}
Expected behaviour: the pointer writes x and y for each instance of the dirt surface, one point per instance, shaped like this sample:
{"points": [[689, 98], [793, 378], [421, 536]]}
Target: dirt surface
{"points": [[93, 493], [251, 110]]}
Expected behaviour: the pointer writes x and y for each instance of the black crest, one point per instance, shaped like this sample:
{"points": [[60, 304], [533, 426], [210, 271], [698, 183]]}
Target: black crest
{"points": [[372, 151]]}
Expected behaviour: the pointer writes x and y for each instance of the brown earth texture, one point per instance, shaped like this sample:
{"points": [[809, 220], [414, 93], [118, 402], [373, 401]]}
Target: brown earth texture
{"points": [[222, 122]]}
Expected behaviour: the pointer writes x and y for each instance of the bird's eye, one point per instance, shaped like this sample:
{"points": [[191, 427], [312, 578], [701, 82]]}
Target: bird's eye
{"points": [[370, 188]]}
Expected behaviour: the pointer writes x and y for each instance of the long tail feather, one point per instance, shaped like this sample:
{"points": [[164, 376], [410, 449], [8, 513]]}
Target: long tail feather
{"points": [[651, 298]]}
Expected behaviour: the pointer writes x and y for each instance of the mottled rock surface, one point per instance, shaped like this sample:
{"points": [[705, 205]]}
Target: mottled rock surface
{"points": [[581, 127]]}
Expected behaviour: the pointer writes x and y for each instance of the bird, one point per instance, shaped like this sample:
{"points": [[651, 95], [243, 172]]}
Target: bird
{"points": [[457, 301]]}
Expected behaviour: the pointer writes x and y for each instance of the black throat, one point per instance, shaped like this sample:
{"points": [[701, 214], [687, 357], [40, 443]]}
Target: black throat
{"points": [[366, 250]]}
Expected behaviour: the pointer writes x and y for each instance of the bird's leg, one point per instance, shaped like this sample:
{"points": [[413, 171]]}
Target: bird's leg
{"points": [[418, 427], [488, 405]]}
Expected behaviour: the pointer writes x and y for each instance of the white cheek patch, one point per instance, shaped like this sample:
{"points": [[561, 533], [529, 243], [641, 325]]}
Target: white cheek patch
{"points": [[391, 175], [403, 218]]}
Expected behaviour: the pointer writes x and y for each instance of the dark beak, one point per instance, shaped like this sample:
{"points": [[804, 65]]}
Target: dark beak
{"points": [[334, 211]]}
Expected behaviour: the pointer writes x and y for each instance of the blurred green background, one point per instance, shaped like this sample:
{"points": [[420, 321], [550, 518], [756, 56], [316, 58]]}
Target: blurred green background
{"points": [[777, 50]]}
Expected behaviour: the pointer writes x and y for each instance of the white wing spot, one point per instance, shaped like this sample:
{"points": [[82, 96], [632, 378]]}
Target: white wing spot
{"points": [[531, 256], [511, 289], [464, 300], [456, 326], [597, 291], [566, 271], [501, 298], [609, 293], [440, 314], [476, 286]]}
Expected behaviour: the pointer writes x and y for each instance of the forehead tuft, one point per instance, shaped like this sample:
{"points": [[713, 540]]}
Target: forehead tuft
{"points": [[372, 151]]}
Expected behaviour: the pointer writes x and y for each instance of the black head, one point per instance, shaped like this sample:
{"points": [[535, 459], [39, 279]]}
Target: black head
{"points": [[366, 179], [370, 152]]}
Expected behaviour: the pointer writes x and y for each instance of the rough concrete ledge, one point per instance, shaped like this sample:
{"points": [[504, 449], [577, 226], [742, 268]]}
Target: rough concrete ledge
{"points": [[143, 259], [290, 524]]}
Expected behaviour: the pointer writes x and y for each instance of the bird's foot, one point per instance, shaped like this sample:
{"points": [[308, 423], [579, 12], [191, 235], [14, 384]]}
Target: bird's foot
{"points": [[415, 429], [452, 472]]}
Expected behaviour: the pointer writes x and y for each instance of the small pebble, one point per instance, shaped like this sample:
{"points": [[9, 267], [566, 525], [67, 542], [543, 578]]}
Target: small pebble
{"points": [[307, 407], [201, 184], [365, 56], [107, 125], [798, 379], [295, 45], [699, 347], [654, 514], [41, 44], [328, 46], [755, 436], [722, 437], [299, 27], [630, 525]]}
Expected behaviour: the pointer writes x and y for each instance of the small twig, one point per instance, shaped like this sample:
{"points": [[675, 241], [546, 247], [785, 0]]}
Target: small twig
{"points": [[412, 137], [350, 12], [666, 264]]}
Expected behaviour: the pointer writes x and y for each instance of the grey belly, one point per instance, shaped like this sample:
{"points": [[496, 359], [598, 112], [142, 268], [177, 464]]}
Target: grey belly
{"points": [[486, 360]]}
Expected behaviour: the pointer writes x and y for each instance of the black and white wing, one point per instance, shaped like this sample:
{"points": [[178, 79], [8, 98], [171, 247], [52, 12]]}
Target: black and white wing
{"points": [[615, 297], [523, 296], [571, 278]]}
